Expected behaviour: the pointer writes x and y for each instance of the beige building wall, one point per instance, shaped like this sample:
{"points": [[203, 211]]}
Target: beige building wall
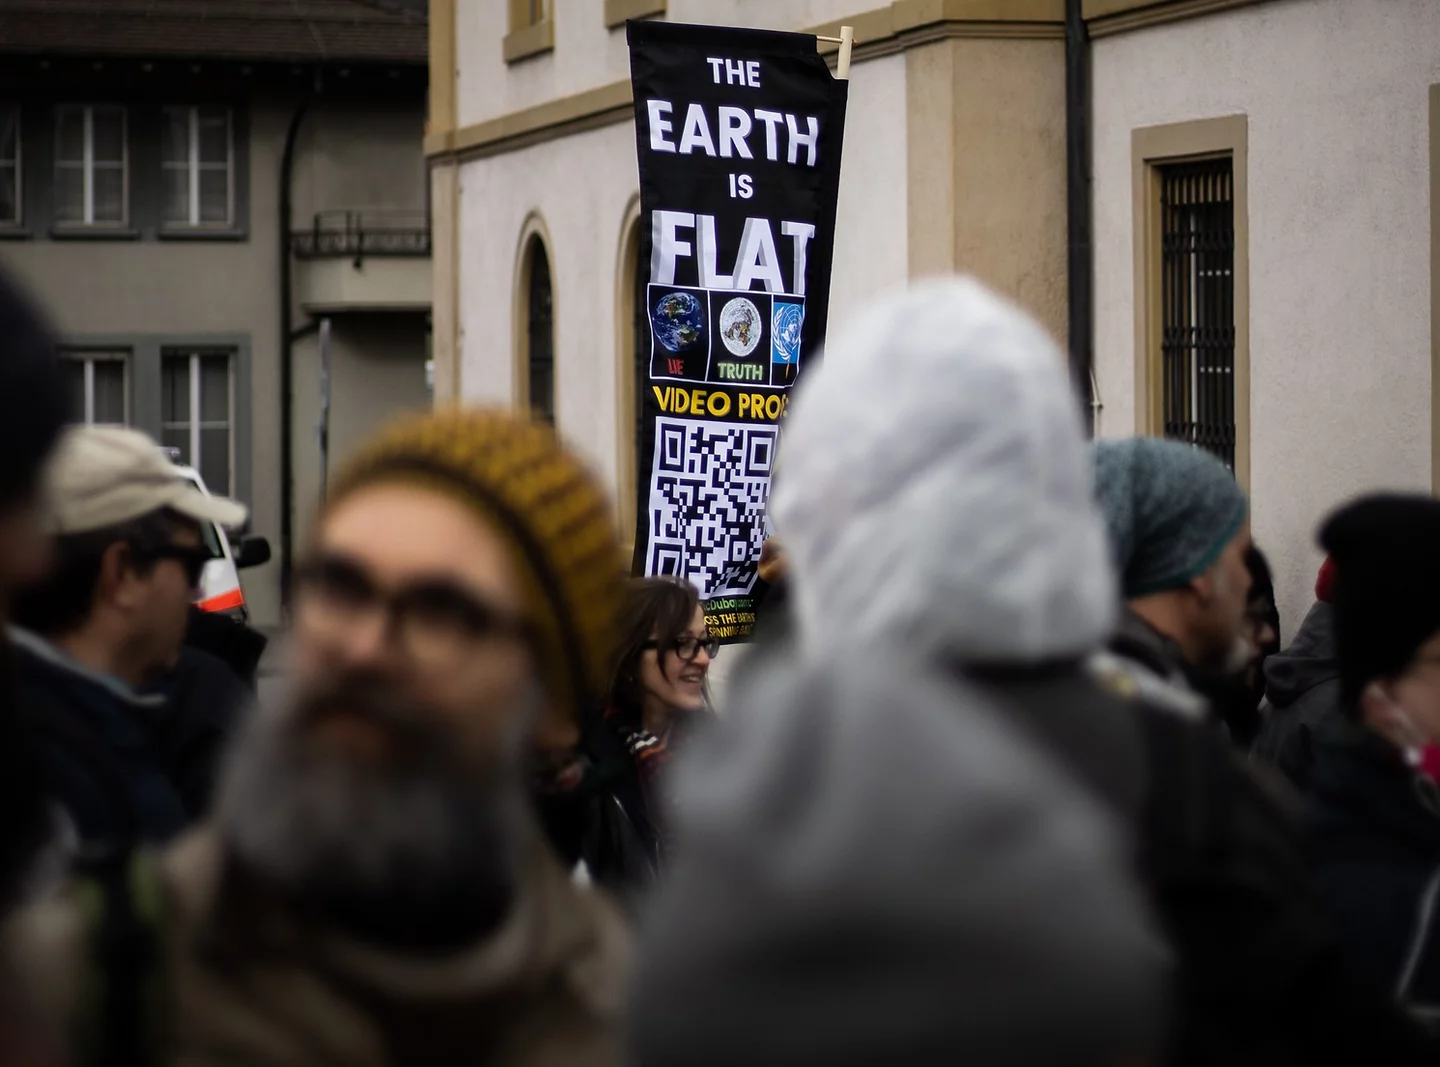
{"points": [[587, 54], [986, 120], [1335, 95]]}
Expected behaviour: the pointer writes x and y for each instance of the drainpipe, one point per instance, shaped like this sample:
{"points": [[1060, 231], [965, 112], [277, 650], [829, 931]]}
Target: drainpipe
{"points": [[287, 340], [1078, 210]]}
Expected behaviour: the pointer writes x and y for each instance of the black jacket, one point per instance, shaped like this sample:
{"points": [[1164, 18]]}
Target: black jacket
{"points": [[203, 698], [1377, 838], [1262, 976], [601, 822], [236, 645], [1302, 688], [25, 822], [96, 751]]}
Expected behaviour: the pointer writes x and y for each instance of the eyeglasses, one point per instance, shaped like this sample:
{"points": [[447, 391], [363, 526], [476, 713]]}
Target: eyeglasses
{"points": [[192, 557], [688, 646], [436, 622]]}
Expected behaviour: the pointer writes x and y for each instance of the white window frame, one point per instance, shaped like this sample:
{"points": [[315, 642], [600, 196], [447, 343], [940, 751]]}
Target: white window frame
{"points": [[194, 425], [18, 164], [193, 167], [87, 164], [88, 358]]}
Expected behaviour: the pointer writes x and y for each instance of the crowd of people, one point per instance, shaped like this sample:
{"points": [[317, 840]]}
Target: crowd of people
{"points": [[1015, 771]]}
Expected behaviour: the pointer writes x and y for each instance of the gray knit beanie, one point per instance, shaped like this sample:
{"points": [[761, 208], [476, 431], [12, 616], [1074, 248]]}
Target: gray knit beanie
{"points": [[1171, 509]]}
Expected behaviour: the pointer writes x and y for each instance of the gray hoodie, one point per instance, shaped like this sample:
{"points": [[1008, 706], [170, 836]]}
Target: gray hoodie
{"points": [[1302, 690], [935, 487], [875, 868]]}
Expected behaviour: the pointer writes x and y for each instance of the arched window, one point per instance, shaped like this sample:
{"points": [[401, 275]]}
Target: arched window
{"points": [[632, 364], [539, 333]]}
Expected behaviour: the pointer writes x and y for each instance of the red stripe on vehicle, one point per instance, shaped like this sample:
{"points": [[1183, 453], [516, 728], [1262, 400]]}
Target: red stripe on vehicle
{"points": [[224, 602]]}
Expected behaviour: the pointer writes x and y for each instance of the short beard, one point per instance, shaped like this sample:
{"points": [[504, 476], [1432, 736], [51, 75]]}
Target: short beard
{"points": [[421, 852]]}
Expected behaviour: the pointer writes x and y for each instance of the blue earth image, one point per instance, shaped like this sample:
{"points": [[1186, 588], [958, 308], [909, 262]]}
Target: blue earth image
{"points": [[679, 322], [788, 320]]}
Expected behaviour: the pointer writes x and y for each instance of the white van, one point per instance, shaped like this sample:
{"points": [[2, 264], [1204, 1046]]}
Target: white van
{"points": [[220, 589]]}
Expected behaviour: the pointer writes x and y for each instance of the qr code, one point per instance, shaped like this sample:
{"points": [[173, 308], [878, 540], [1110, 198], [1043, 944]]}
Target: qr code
{"points": [[708, 490]]}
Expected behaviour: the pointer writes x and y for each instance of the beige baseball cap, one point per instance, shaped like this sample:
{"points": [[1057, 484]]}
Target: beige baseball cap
{"points": [[101, 476]]}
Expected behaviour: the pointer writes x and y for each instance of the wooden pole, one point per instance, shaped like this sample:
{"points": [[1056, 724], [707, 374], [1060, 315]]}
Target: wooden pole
{"points": [[847, 42]]}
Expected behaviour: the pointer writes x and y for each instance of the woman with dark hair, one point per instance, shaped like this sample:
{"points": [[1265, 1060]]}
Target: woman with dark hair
{"points": [[658, 691], [602, 806]]}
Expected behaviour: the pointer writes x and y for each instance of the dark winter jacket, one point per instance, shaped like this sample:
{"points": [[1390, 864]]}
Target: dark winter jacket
{"points": [[25, 822], [1377, 839], [599, 821], [1302, 688], [96, 750], [1262, 978], [238, 646], [203, 698]]}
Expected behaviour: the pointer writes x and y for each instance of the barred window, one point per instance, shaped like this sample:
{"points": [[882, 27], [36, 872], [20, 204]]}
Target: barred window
{"points": [[1197, 202]]}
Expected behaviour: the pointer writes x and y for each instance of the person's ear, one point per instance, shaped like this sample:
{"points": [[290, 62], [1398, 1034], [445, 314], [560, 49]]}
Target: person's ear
{"points": [[116, 583], [1202, 586]]}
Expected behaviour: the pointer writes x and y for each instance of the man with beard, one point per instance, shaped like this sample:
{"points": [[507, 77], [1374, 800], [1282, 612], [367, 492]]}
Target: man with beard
{"points": [[373, 888], [1179, 529]]}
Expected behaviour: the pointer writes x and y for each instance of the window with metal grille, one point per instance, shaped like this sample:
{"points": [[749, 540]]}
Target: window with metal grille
{"points": [[540, 335], [1197, 207]]}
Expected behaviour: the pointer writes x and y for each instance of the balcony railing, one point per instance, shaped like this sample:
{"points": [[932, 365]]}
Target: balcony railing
{"points": [[363, 233]]}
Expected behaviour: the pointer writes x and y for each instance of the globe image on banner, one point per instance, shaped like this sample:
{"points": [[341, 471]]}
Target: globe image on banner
{"points": [[679, 322], [740, 326], [789, 318]]}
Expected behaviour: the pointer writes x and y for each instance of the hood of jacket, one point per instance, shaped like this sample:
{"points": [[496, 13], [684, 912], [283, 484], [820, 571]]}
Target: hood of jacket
{"points": [[1308, 662], [934, 487]]}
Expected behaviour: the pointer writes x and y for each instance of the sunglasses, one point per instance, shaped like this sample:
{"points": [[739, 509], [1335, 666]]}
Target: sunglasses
{"points": [[192, 557]]}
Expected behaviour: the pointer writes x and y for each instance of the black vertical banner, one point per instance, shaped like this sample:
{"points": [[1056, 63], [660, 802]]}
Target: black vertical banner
{"points": [[739, 135]]}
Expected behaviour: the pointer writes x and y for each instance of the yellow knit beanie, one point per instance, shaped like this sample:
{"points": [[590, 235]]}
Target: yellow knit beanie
{"points": [[546, 504]]}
